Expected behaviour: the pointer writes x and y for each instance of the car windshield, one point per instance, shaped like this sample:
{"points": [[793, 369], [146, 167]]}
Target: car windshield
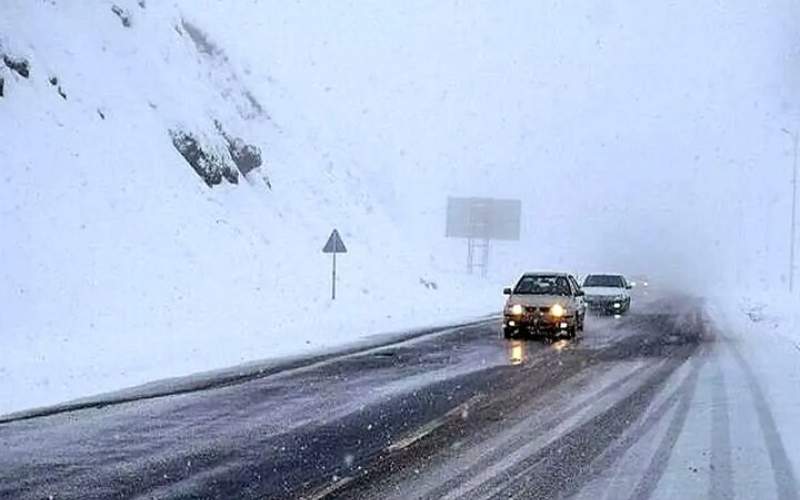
{"points": [[542, 285], [610, 281]]}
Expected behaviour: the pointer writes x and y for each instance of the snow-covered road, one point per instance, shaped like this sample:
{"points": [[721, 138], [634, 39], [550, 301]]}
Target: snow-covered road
{"points": [[682, 398]]}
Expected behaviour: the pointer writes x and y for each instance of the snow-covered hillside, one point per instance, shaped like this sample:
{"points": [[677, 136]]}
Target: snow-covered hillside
{"points": [[121, 263]]}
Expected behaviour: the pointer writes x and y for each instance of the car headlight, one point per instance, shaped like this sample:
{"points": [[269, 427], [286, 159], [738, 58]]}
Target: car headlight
{"points": [[516, 310], [557, 311]]}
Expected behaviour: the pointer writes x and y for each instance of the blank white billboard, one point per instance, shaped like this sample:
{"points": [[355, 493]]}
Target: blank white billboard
{"points": [[484, 218]]}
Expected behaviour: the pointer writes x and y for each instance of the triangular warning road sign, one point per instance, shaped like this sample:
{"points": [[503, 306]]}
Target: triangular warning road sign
{"points": [[334, 244]]}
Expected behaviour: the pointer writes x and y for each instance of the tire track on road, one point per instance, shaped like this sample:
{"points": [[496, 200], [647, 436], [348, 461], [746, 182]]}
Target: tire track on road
{"points": [[783, 473], [721, 485], [565, 466], [511, 446], [636, 433], [658, 463]]}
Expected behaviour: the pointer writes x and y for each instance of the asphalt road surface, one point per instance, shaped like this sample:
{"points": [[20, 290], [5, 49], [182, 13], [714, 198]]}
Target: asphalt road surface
{"points": [[635, 408]]}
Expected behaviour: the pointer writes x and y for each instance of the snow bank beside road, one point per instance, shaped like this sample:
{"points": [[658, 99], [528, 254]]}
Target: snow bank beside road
{"points": [[763, 329], [765, 315], [68, 371], [51, 369]]}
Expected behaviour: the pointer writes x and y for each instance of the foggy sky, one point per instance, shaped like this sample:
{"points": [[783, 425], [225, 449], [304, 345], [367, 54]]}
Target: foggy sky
{"points": [[641, 136]]}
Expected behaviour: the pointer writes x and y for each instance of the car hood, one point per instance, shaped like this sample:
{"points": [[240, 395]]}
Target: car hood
{"points": [[604, 291], [539, 300]]}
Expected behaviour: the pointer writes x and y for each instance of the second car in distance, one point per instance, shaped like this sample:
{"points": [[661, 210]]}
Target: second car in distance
{"points": [[608, 293]]}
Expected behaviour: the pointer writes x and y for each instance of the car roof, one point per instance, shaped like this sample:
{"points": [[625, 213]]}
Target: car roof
{"points": [[605, 274], [546, 273]]}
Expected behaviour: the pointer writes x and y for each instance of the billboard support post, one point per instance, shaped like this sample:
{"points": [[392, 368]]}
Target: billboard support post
{"points": [[481, 220], [475, 245]]}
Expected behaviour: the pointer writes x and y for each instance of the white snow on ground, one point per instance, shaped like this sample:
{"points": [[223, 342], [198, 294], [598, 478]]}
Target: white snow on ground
{"points": [[741, 434], [765, 328], [769, 316], [119, 265]]}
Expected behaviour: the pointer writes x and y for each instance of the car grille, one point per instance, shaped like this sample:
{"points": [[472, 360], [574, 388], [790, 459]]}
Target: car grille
{"points": [[533, 309], [601, 298]]}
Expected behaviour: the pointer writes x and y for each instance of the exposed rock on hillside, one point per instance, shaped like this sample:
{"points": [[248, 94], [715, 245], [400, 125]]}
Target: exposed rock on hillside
{"points": [[247, 157], [123, 15], [200, 39], [20, 65], [209, 165]]}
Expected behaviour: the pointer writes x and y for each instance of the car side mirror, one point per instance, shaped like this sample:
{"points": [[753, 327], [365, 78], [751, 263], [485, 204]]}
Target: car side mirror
{"points": [[628, 286], [580, 293], [506, 291]]}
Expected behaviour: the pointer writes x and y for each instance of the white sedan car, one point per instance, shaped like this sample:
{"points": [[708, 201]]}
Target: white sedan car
{"points": [[607, 293]]}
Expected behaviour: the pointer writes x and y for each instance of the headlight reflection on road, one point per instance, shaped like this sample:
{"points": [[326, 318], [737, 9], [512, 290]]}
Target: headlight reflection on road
{"points": [[517, 352], [561, 345]]}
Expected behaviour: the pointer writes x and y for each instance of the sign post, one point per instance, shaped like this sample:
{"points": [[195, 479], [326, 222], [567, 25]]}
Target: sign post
{"points": [[333, 246]]}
